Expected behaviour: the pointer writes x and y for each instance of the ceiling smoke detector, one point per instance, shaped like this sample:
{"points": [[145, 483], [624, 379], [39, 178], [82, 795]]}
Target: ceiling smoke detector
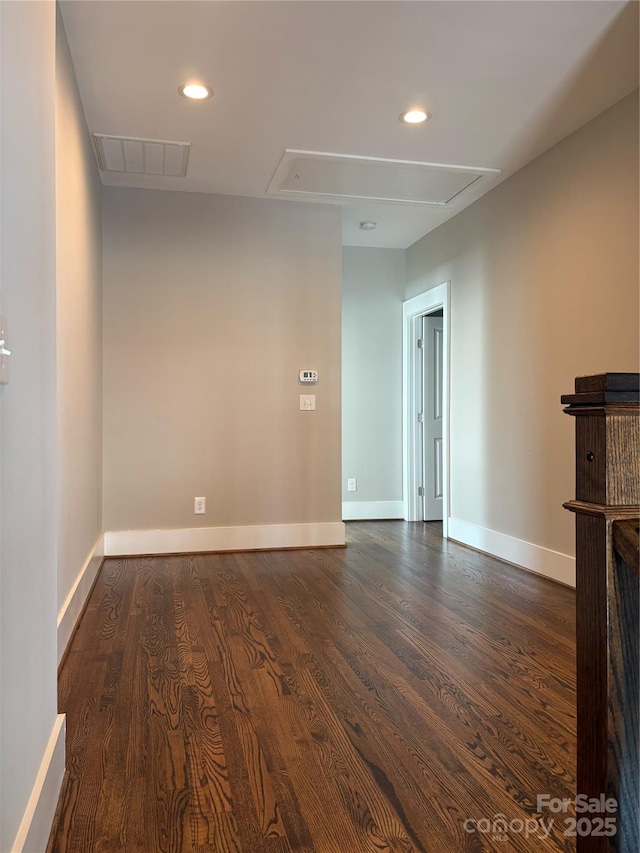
{"points": [[367, 225]]}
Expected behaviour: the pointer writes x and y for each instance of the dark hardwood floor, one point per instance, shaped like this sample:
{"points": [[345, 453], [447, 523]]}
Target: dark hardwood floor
{"points": [[329, 701]]}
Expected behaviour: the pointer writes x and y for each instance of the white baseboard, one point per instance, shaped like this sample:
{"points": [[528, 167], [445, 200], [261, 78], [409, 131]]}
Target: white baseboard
{"points": [[33, 834], [534, 558], [365, 510], [247, 538], [72, 608]]}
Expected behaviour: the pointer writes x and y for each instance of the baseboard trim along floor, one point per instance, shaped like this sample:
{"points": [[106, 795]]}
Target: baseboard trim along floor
{"points": [[243, 538], [372, 510], [72, 608], [33, 834], [543, 561]]}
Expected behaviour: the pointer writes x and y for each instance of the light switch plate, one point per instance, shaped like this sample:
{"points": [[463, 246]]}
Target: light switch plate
{"points": [[307, 402], [4, 359]]}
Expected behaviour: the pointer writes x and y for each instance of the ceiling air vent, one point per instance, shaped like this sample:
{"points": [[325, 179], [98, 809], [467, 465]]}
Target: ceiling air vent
{"points": [[141, 156]]}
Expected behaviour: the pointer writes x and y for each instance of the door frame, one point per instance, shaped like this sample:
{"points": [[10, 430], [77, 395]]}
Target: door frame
{"points": [[412, 312]]}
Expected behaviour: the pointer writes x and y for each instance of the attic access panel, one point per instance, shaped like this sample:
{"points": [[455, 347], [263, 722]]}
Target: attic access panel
{"points": [[342, 176]]}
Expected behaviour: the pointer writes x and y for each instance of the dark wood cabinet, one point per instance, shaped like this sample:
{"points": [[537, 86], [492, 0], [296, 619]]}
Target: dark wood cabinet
{"points": [[607, 412]]}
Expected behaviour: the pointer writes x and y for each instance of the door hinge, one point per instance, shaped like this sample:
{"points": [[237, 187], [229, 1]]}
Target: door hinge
{"points": [[420, 343], [420, 491], [420, 418]]}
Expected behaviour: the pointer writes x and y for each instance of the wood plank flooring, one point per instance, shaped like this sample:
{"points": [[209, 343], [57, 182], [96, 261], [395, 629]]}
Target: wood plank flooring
{"points": [[362, 700]]}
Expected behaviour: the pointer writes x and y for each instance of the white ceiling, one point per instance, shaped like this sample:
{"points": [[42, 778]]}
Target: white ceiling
{"points": [[503, 81]]}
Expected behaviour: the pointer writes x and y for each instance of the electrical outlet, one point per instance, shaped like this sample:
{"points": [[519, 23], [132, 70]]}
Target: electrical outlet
{"points": [[352, 484], [199, 506]]}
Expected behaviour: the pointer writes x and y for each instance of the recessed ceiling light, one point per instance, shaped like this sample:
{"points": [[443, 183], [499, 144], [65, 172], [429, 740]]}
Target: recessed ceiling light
{"points": [[414, 116], [196, 92], [367, 225]]}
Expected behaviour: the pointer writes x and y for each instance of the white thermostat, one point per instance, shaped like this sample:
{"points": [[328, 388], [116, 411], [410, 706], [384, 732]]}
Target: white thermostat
{"points": [[308, 376]]}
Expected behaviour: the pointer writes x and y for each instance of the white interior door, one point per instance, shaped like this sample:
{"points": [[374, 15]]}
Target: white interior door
{"points": [[432, 398]]}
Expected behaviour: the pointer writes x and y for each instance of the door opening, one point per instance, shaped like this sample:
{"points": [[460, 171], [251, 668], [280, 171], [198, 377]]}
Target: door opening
{"points": [[430, 416], [426, 407]]}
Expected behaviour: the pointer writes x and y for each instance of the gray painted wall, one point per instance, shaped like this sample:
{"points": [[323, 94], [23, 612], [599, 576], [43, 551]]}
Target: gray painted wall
{"points": [[79, 327], [212, 305], [28, 698], [373, 286], [544, 287]]}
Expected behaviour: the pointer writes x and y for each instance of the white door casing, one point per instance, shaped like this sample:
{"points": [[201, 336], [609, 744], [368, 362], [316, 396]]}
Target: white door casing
{"points": [[413, 311]]}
